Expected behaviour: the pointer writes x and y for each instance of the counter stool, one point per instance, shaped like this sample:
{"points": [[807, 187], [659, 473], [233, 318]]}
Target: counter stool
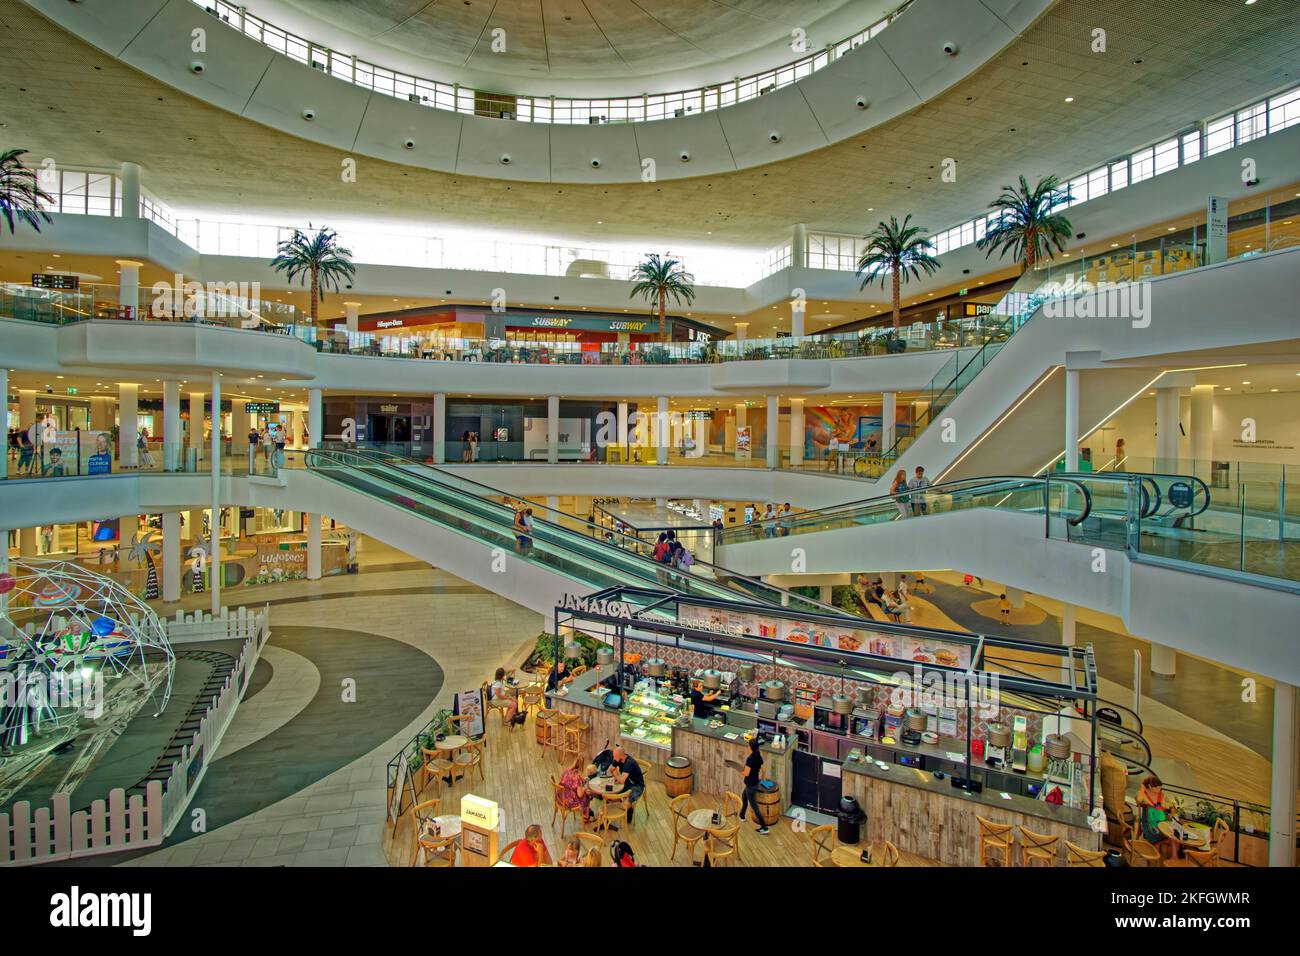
{"points": [[995, 838], [558, 733], [1037, 848], [577, 738], [543, 725], [1078, 856]]}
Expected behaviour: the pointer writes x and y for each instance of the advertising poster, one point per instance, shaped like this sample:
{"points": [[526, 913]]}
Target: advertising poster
{"points": [[470, 703], [852, 426], [744, 441], [73, 452]]}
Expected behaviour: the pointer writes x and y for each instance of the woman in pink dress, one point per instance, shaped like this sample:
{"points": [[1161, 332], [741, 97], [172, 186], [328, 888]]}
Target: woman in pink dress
{"points": [[573, 788]]}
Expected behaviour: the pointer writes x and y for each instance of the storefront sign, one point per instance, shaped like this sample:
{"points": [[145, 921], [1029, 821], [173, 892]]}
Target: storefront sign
{"points": [[601, 606], [627, 326], [387, 409], [550, 322], [388, 324], [700, 415]]}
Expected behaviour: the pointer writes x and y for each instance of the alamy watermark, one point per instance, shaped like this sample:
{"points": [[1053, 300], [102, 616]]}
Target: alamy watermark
{"points": [[1101, 300], [199, 300]]}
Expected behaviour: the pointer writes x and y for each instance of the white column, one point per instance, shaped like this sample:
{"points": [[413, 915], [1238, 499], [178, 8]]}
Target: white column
{"points": [[1202, 428], [1072, 419], [354, 315], [622, 431], [128, 402], [729, 432], [26, 407], [796, 432], [196, 425], [888, 420], [662, 439], [439, 428], [101, 413], [701, 436], [742, 331], [825, 595], [214, 539], [313, 547], [1068, 622], [799, 246], [1281, 838], [128, 288], [1166, 429], [129, 174], [172, 443], [171, 556], [315, 417], [552, 506], [552, 429], [1164, 660], [238, 426], [773, 431], [27, 542], [4, 468], [797, 309]]}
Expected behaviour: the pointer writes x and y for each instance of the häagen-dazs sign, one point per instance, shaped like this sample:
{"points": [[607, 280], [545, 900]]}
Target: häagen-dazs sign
{"points": [[601, 606]]}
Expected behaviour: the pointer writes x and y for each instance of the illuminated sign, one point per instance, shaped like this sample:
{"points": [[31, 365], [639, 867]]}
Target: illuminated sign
{"points": [[54, 280], [627, 326], [550, 322], [601, 606], [479, 812]]}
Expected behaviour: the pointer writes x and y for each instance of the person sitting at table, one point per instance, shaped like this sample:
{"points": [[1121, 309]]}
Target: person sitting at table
{"points": [[531, 851], [1152, 811], [500, 695], [573, 788], [700, 701], [558, 676], [572, 853], [629, 776]]}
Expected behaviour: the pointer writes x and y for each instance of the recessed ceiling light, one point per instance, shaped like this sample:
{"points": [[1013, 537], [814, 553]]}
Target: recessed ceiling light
{"points": [[1245, 383], [1069, 99]]}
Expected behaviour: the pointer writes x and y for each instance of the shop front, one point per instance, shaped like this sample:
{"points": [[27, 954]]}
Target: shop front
{"points": [[929, 731]]}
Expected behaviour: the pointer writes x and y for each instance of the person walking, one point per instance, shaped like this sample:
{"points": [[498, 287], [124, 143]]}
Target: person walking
{"points": [[473, 446], [899, 490], [26, 453], [753, 775], [916, 492], [769, 522], [464, 451]]}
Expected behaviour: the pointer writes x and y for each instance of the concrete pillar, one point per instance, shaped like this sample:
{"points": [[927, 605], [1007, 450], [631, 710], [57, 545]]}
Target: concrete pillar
{"points": [[439, 428], [1164, 660], [825, 595], [129, 174], [238, 426], [1281, 838], [128, 403], [27, 542], [701, 436], [128, 289], [798, 307], [196, 425], [26, 408], [313, 547], [888, 420], [663, 440], [1068, 621], [622, 424], [1072, 419], [1015, 596], [1202, 429], [799, 246], [796, 432], [1167, 429], [552, 429], [214, 539], [196, 526], [729, 432], [171, 431], [354, 315], [773, 441], [171, 556], [4, 468], [742, 331], [101, 413], [552, 506], [315, 417]]}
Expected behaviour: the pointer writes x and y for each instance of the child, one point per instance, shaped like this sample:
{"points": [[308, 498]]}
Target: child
{"points": [[572, 853], [1004, 609]]}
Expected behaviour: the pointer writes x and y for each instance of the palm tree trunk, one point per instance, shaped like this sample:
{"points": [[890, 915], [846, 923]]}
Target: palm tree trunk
{"points": [[663, 317], [315, 293], [897, 318]]}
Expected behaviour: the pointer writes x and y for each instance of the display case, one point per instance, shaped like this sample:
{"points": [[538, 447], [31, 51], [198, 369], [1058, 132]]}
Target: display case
{"points": [[649, 716]]}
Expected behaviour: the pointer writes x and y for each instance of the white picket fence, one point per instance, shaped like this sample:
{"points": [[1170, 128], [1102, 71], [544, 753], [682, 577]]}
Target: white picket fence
{"points": [[55, 833]]}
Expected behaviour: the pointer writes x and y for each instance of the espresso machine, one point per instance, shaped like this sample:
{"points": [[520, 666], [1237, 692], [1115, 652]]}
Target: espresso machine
{"points": [[996, 744], [1020, 744]]}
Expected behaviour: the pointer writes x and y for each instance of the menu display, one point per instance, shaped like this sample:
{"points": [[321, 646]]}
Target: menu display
{"points": [[909, 648]]}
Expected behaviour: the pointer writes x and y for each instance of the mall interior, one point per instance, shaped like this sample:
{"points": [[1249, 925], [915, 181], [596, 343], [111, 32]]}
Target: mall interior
{"points": [[411, 473]]}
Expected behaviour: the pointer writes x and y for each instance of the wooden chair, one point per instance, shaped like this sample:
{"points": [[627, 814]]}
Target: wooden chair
{"points": [[437, 851], [891, 855], [995, 838], [469, 760], [723, 844], [454, 724], [1078, 856], [531, 701], [563, 810], [591, 841], [509, 850], [615, 802], [731, 804], [683, 832], [823, 842], [557, 728], [1220, 831], [580, 669], [1208, 857], [1037, 848], [1140, 851], [436, 766]]}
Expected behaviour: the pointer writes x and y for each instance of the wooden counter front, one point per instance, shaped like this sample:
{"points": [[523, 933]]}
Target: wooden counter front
{"points": [[709, 753], [938, 821]]}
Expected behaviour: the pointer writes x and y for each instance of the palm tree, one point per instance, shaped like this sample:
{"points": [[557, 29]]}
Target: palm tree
{"points": [[896, 251], [319, 256], [21, 195], [658, 279], [1027, 224], [143, 548]]}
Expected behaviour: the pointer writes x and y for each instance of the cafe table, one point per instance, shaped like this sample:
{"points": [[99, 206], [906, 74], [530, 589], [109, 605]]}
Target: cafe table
{"points": [[449, 745], [852, 856], [1196, 837], [448, 825], [703, 820]]}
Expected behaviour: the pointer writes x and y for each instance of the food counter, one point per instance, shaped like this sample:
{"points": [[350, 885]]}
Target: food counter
{"points": [[718, 760]]}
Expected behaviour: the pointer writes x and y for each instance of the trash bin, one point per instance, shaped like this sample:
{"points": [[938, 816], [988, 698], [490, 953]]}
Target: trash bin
{"points": [[851, 820]]}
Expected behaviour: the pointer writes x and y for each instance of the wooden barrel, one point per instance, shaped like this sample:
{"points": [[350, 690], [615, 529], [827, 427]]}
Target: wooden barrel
{"points": [[769, 805], [543, 720], [679, 778]]}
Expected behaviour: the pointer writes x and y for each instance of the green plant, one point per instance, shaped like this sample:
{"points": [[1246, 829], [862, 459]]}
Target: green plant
{"points": [[657, 280], [318, 257], [1027, 223], [544, 650], [896, 252], [21, 195]]}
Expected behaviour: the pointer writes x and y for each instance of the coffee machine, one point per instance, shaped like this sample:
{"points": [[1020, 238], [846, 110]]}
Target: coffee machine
{"points": [[997, 741], [1020, 744]]}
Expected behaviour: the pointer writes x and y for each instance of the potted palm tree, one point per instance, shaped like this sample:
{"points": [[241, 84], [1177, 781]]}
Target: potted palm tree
{"points": [[658, 279], [317, 256], [21, 195], [1028, 225], [143, 548], [896, 252]]}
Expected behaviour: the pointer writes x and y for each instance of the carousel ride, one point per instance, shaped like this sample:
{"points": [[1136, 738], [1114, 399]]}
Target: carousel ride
{"points": [[80, 658]]}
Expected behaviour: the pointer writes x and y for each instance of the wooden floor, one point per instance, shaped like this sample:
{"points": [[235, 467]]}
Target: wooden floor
{"points": [[516, 775]]}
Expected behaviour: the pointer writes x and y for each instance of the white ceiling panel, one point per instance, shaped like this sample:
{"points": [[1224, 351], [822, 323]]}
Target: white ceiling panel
{"points": [[289, 88]]}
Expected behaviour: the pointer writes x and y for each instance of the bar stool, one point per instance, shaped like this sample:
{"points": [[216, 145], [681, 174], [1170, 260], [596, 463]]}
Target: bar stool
{"points": [[544, 717], [1037, 848], [577, 738], [559, 725], [995, 837]]}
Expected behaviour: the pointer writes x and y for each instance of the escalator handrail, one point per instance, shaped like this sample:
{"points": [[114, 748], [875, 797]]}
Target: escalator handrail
{"points": [[953, 488], [1148, 504], [721, 574]]}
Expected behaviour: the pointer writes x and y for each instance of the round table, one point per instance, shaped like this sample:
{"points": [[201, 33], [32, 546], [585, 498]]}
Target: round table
{"points": [[851, 856], [703, 820], [451, 743], [599, 786], [448, 825], [1166, 828]]}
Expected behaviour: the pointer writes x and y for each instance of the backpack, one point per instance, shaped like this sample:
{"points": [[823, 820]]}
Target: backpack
{"points": [[686, 559], [660, 550], [621, 853], [667, 556]]}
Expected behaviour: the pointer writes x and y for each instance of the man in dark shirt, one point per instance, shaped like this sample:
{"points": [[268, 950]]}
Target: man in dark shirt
{"points": [[700, 701], [753, 768], [627, 772], [557, 677]]}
